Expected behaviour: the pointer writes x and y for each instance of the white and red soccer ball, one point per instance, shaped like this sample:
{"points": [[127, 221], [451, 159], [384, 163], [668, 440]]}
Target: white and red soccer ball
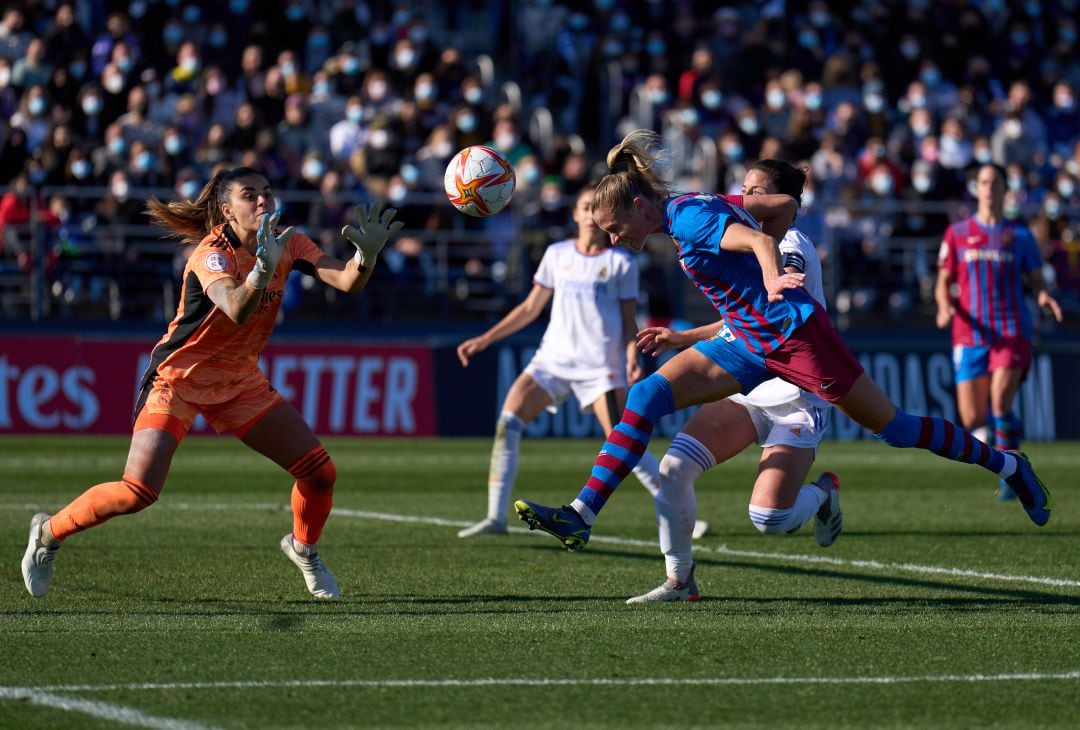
{"points": [[479, 181]]}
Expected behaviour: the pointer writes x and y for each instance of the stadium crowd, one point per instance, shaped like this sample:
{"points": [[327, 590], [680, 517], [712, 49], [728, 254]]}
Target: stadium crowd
{"points": [[889, 104]]}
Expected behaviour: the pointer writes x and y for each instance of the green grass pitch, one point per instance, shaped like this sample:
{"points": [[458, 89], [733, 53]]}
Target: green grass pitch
{"points": [[937, 607]]}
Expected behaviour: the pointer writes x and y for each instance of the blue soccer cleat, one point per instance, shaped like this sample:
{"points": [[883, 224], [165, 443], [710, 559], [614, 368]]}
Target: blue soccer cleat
{"points": [[1033, 494], [562, 522], [1004, 492]]}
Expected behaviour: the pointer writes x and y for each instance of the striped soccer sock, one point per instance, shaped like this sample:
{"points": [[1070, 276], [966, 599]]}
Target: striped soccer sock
{"points": [[648, 401], [946, 439], [1008, 430]]}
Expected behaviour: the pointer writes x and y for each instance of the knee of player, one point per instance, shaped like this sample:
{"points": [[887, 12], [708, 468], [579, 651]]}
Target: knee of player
{"points": [[316, 470]]}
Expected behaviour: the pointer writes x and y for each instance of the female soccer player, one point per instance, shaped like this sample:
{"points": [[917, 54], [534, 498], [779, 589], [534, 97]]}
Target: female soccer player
{"points": [[588, 349], [207, 363], [988, 258], [772, 328]]}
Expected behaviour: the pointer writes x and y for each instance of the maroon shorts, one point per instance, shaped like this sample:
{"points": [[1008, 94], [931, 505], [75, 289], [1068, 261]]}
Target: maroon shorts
{"points": [[816, 359]]}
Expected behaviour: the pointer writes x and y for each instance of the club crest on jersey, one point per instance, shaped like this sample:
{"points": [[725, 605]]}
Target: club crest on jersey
{"points": [[216, 262], [603, 275]]}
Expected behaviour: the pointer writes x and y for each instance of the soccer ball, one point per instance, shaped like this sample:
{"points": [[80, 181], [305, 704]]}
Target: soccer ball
{"points": [[479, 181]]}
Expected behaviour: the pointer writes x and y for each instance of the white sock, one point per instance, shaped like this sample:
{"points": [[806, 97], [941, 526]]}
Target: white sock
{"points": [[504, 465], [584, 510], [1009, 467], [647, 472], [773, 521], [676, 504]]}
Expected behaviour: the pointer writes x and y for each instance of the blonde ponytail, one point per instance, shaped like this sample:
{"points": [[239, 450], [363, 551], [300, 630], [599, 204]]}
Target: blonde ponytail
{"points": [[632, 171]]}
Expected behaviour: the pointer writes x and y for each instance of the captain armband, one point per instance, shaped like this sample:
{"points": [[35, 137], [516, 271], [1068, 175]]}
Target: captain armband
{"points": [[794, 260]]}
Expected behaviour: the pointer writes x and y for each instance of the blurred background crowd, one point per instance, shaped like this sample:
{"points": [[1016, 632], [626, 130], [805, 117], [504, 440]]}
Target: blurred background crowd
{"points": [[890, 106]]}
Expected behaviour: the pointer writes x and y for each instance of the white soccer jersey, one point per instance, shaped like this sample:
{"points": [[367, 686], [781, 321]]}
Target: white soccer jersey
{"points": [[584, 336], [797, 251]]}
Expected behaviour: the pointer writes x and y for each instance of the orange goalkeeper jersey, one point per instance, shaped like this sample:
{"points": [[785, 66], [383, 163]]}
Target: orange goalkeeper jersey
{"points": [[204, 355]]}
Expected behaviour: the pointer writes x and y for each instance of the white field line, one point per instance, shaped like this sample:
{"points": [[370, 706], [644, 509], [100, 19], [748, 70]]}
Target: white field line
{"points": [[562, 682], [101, 710], [872, 565]]}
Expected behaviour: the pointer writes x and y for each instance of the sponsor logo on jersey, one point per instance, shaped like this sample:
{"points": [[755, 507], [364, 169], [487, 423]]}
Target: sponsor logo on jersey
{"points": [[216, 262]]}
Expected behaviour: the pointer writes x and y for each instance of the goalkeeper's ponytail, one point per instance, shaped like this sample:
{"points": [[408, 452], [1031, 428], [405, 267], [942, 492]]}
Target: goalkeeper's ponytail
{"points": [[191, 220]]}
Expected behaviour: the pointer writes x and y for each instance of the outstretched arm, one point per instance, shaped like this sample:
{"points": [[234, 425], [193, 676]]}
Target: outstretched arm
{"points": [[517, 318], [374, 227], [654, 340]]}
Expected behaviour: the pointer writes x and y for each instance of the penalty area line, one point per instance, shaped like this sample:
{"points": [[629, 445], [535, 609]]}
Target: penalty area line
{"points": [[564, 682], [100, 710]]}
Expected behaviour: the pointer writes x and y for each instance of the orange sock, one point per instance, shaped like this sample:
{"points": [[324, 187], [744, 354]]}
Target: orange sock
{"points": [[100, 503], [312, 495]]}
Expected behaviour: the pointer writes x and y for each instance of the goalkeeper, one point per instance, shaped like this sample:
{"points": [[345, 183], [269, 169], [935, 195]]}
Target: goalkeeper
{"points": [[208, 363]]}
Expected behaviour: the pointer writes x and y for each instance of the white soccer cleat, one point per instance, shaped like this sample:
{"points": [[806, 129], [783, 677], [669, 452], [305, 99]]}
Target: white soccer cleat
{"points": [[320, 581], [38, 561], [701, 529], [485, 527], [829, 521], [671, 590]]}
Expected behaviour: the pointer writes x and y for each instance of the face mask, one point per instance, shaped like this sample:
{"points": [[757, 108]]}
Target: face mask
{"points": [[881, 184], [137, 9], [36, 105], [531, 174], [1052, 208], [91, 105], [119, 190], [578, 21], [1064, 101], [1066, 187], [397, 193], [749, 125], [813, 102], [930, 76], [113, 84], [921, 183], [909, 50], [551, 201], [1069, 36], [312, 170], [690, 117], [656, 47], [174, 145], [410, 174], [921, 129], [218, 39], [192, 14], [917, 101], [819, 18], [1012, 128], [620, 22], [441, 150], [506, 141], [425, 92], [295, 13], [612, 48], [405, 59], [143, 160], [473, 95], [125, 64], [189, 189], [80, 169], [377, 90], [808, 39], [238, 7], [288, 69], [733, 151], [1011, 210], [418, 34], [351, 66], [775, 98], [190, 65], [355, 114], [466, 123], [77, 69], [322, 88], [379, 139], [117, 146], [711, 99], [983, 155], [874, 103], [658, 96], [1015, 183]]}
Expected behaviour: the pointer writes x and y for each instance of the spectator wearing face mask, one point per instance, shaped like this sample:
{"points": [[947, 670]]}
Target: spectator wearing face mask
{"points": [[350, 133], [1063, 119], [32, 117], [1010, 143]]}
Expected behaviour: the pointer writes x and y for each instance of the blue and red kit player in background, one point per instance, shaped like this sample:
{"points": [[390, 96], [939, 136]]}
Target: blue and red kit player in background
{"points": [[987, 260], [773, 328]]}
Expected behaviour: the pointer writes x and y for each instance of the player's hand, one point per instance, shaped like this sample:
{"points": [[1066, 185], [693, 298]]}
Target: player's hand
{"points": [[269, 251], [373, 229], [634, 371], [1048, 302], [944, 316], [470, 347], [654, 340], [776, 285]]}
